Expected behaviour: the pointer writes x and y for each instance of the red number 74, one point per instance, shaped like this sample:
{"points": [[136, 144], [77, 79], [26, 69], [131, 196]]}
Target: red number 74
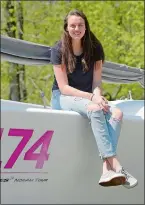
{"points": [[26, 134]]}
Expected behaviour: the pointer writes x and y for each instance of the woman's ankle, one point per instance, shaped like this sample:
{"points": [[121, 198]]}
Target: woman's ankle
{"points": [[114, 163], [106, 166]]}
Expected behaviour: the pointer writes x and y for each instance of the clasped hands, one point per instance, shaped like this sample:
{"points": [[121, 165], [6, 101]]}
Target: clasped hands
{"points": [[101, 101]]}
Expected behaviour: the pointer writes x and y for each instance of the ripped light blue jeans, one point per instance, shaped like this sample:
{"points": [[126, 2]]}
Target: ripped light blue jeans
{"points": [[106, 129]]}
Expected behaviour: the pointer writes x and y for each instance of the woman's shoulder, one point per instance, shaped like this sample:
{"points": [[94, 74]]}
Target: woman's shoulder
{"points": [[98, 51], [57, 45], [56, 53], [98, 47]]}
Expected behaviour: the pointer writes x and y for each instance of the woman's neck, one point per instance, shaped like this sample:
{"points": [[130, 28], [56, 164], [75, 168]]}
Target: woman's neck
{"points": [[77, 47]]}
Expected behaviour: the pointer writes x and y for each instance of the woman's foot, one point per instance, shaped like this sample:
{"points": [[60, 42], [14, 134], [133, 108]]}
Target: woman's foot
{"points": [[116, 167], [130, 180], [111, 178]]}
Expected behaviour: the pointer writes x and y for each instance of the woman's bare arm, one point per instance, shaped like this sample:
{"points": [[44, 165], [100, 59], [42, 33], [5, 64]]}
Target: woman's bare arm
{"points": [[65, 89]]}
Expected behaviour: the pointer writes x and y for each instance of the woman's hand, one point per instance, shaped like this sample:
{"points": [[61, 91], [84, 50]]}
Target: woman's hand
{"points": [[101, 101]]}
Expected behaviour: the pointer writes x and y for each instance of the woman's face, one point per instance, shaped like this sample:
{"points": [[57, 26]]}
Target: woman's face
{"points": [[76, 27]]}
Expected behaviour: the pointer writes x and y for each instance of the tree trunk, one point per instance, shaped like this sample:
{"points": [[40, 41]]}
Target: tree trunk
{"points": [[21, 68], [11, 31]]}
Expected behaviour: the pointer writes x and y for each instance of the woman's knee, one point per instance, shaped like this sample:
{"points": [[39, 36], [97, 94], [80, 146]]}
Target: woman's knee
{"points": [[117, 114], [94, 111], [93, 107]]}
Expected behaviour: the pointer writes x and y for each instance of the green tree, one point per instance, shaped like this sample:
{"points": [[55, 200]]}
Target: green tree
{"points": [[119, 25]]}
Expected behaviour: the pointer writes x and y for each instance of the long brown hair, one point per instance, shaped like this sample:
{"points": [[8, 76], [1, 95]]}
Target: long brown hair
{"points": [[89, 43]]}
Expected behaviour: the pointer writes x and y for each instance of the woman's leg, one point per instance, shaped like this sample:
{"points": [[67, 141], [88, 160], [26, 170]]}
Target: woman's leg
{"points": [[114, 121], [97, 120], [113, 124], [55, 104], [100, 130]]}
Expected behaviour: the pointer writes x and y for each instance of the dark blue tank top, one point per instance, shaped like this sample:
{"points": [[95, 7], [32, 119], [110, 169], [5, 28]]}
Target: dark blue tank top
{"points": [[78, 79]]}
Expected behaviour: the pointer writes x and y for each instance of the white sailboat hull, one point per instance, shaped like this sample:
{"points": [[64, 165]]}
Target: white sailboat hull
{"points": [[73, 169]]}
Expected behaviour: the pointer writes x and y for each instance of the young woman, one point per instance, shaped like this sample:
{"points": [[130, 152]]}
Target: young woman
{"points": [[77, 61]]}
